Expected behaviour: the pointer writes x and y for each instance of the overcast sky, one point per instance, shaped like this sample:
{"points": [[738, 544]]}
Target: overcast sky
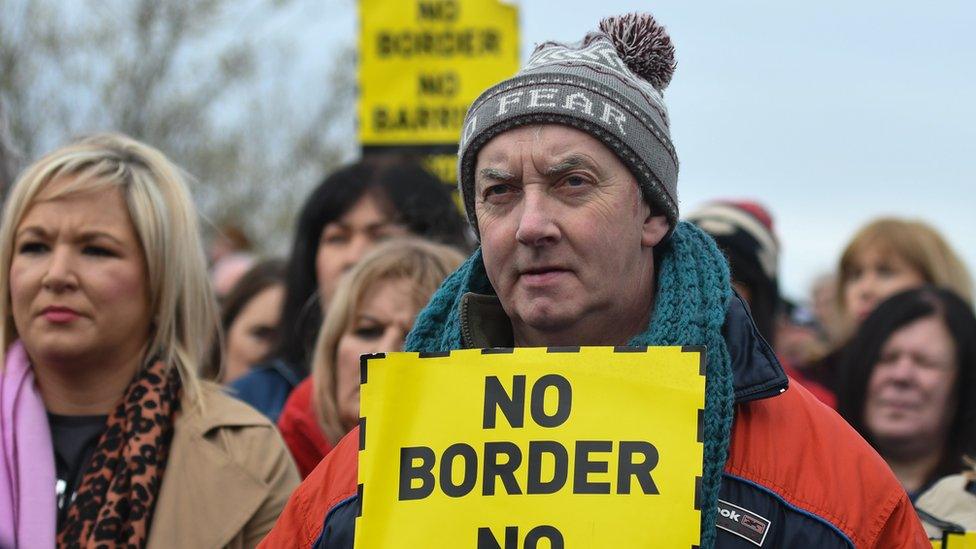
{"points": [[830, 113]]}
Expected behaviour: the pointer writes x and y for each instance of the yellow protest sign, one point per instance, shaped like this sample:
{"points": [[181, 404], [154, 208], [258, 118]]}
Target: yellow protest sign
{"points": [[502, 448], [422, 62], [958, 540]]}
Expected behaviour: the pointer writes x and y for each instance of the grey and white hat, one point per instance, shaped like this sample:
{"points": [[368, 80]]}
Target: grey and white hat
{"points": [[609, 85]]}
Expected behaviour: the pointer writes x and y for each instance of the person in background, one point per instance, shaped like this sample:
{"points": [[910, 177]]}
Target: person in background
{"points": [[230, 239], [950, 505], [885, 257], [799, 342], [744, 232], [231, 256], [824, 305], [108, 436], [249, 316], [228, 272], [371, 311], [890, 255], [349, 213], [909, 384]]}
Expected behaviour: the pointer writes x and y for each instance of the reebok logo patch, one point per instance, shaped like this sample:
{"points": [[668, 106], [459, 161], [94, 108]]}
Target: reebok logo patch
{"points": [[742, 522]]}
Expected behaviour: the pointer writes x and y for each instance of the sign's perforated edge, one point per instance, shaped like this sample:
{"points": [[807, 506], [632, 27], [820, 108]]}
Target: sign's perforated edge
{"points": [[359, 494], [630, 349], [363, 378], [702, 356], [701, 426], [498, 351], [698, 493], [434, 354], [563, 349], [699, 349], [363, 361]]}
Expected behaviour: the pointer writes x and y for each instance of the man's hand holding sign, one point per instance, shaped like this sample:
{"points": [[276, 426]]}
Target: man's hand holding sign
{"points": [[508, 449]]}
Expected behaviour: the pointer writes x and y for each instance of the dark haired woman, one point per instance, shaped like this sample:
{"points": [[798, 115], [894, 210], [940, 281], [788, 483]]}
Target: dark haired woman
{"points": [[353, 210], [910, 386]]}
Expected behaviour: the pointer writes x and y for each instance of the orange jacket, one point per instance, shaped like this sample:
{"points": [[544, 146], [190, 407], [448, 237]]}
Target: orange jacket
{"points": [[793, 462], [300, 429], [797, 475]]}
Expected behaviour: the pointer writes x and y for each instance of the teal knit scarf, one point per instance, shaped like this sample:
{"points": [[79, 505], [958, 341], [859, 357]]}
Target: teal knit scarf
{"points": [[693, 291]]}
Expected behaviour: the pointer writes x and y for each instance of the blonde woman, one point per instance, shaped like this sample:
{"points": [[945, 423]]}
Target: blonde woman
{"points": [[890, 255], [887, 256], [371, 311], [108, 436]]}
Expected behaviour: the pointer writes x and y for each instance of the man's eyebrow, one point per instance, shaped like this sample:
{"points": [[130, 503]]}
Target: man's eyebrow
{"points": [[494, 174], [571, 162]]}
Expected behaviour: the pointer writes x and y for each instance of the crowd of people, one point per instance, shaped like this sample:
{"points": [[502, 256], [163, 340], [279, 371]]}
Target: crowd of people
{"points": [[151, 396], [890, 346]]}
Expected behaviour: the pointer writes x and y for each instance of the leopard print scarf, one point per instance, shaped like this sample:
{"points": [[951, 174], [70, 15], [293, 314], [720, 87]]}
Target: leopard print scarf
{"points": [[114, 504]]}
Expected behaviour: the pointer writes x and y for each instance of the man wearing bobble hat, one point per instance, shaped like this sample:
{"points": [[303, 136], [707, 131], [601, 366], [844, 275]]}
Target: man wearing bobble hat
{"points": [[569, 179]]}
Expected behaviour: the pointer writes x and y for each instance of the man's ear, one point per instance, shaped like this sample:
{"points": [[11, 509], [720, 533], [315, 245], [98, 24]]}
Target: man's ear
{"points": [[654, 229]]}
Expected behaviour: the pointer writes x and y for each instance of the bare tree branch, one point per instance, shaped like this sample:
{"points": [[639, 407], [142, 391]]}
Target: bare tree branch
{"points": [[185, 77], [8, 156]]}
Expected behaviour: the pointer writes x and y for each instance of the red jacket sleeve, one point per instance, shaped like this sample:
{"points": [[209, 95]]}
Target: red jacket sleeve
{"points": [[334, 480], [300, 429], [809, 456], [903, 528]]}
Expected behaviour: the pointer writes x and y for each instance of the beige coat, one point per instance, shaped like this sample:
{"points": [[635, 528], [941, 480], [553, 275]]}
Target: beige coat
{"points": [[949, 500], [228, 477]]}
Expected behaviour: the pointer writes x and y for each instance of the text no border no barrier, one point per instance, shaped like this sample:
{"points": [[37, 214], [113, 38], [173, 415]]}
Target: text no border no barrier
{"points": [[562, 447], [422, 62]]}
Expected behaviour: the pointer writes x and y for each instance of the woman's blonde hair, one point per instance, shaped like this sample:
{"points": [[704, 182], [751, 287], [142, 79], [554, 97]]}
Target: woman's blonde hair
{"points": [[422, 263], [918, 244], [182, 305]]}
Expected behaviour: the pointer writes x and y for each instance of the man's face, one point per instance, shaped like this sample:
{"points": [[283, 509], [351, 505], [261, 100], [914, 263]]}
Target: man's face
{"points": [[566, 236]]}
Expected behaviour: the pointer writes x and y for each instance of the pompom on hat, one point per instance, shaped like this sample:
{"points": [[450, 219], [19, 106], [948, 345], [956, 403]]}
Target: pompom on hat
{"points": [[609, 85]]}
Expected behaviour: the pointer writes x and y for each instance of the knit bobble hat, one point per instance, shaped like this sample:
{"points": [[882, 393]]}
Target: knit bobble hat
{"points": [[609, 86], [743, 230]]}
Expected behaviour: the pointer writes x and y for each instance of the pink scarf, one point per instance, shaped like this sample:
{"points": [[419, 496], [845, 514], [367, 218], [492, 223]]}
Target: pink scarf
{"points": [[27, 495]]}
